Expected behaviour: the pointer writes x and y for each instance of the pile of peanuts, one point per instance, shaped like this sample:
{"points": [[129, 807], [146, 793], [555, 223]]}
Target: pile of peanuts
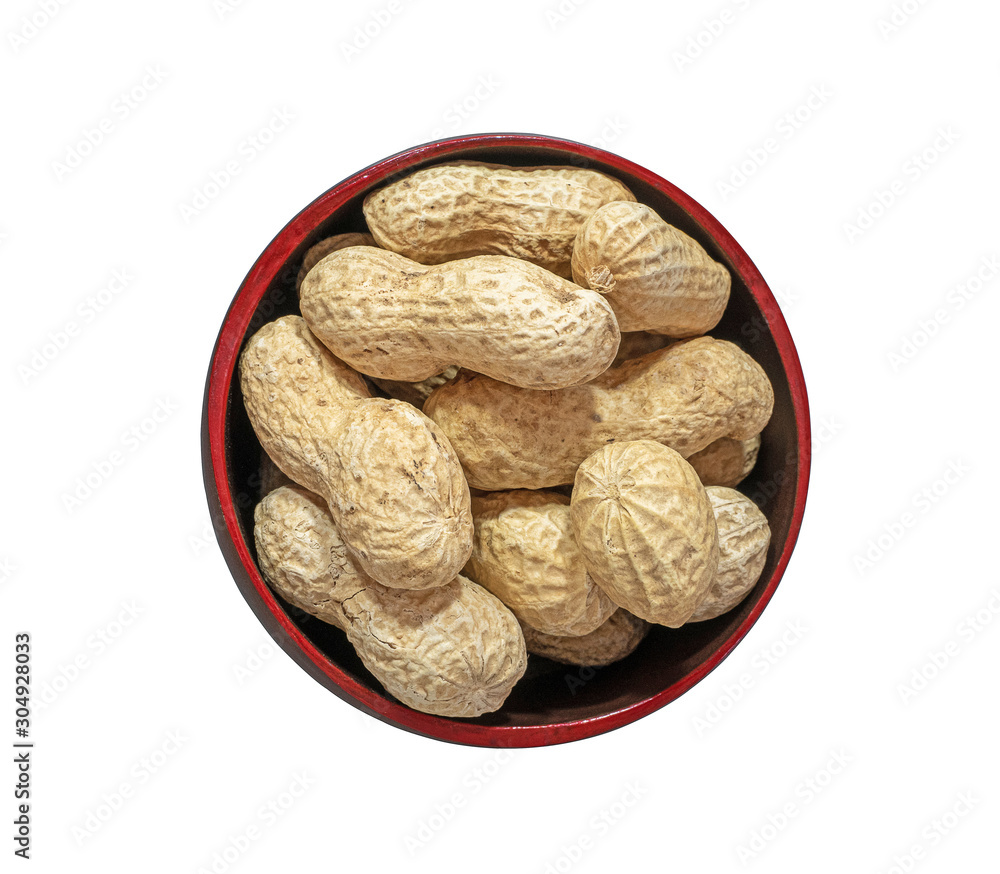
{"points": [[499, 426]]}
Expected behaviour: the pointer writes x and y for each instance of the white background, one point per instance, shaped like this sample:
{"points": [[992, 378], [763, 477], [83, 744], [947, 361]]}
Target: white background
{"points": [[854, 729]]}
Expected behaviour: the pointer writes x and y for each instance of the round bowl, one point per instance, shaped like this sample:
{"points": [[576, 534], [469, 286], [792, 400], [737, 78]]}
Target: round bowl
{"points": [[552, 703]]}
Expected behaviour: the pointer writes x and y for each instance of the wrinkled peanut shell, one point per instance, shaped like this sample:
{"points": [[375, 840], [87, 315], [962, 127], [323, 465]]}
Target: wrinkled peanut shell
{"points": [[454, 650], [655, 276], [392, 318], [610, 642], [525, 554], [726, 462], [646, 528], [461, 209], [389, 475], [744, 536], [684, 396]]}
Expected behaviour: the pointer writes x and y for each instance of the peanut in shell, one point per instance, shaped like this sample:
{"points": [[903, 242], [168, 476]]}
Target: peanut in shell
{"points": [[461, 209], [454, 650], [647, 530]]}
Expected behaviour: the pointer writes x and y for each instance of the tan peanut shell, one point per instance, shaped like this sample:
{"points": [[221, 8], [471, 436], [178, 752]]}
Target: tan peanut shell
{"points": [[524, 553], [415, 392], [612, 641], [389, 475], [459, 210], [392, 318], [318, 251], [655, 276], [726, 462], [684, 396], [744, 536], [454, 650], [647, 530]]}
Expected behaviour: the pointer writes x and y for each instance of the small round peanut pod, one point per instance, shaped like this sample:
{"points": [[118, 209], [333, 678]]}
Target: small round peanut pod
{"points": [[646, 528], [523, 551], [726, 462], [744, 536], [454, 650], [655, 276], [318, 251], [617, 637]]}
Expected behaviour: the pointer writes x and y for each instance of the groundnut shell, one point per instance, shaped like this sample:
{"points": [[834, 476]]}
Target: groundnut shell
{"points": [[462, 209], [744, 536], [684, 396], [524, 552], [399, 496], [726, 462], [454, 650], [646, 528], [318, 251], [617, 637], [302, 555], [392, 318], [656, 277], [389, 475]]}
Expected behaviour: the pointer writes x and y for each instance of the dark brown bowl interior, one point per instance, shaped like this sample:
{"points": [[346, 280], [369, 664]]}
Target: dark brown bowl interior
{"points": [[553, 703]]}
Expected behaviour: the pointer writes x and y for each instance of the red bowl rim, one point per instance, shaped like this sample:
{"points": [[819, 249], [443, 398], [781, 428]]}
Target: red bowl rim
{"points": [[223, 367]]}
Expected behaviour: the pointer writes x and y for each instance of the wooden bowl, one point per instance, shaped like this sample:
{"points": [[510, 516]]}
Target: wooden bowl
{"points": [[552, 703]]}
